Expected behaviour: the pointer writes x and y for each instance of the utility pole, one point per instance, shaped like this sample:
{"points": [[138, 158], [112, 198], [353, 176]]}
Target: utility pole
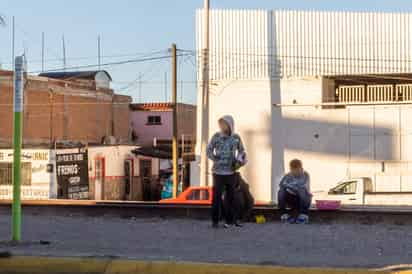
{"points": [[99, 56], [42, 52], [19, 71], [174, 103], [205, 97]]}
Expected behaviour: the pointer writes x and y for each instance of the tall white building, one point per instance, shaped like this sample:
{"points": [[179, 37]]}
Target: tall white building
{"points": [[330, 88]]}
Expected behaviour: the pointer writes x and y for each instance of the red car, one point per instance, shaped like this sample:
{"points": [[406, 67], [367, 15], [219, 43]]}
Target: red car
{"points": [[198, 195]]}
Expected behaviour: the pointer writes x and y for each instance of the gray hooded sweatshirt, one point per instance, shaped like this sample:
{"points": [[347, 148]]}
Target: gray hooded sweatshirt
{"points": [[224, 150]]}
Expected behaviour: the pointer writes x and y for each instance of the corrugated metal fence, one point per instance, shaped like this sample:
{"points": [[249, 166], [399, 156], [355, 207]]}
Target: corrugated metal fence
{"points": [[253, 44]]}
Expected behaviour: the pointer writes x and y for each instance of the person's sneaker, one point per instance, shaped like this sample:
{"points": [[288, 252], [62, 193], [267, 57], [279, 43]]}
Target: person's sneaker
{"points": [[287, 219], [238, 224], [227, 225], [302, 219]]}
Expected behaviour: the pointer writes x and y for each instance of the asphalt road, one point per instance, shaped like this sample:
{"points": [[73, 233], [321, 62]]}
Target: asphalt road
{"points": [[337, 245]]}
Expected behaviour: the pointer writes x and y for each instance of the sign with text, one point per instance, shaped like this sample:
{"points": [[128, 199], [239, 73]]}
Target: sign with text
{"points": [[72, 176], [38, 192]]}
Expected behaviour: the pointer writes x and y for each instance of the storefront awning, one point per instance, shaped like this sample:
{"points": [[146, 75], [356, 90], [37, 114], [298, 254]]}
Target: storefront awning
{"points": [[154, 152]]}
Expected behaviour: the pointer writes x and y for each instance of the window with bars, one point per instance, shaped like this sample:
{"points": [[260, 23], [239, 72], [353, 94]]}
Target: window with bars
{"points": [[6, 173], [366, 89], [154, 120], [374, 93]]}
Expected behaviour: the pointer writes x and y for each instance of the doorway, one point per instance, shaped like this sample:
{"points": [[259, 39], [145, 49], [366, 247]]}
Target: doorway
{"points": [[99, 178], [128, 180], [146, 178]]}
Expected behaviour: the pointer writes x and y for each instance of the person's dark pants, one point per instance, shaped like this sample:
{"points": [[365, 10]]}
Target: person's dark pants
{"points": [[300, 202], [226, 184]]}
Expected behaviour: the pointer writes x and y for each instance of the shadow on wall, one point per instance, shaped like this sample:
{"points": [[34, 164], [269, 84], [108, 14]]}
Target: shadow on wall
{"points": [[360, 141], [254, 140], [274, 138], [277, 134], [338, 141], [363, 141]]}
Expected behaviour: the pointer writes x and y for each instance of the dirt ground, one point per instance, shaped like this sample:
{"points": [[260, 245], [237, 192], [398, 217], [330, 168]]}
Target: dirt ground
{"points": [[337, 245]]}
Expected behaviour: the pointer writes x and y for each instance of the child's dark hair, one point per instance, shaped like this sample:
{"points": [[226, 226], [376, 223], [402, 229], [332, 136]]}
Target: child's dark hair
{"points": [[295, 163]]}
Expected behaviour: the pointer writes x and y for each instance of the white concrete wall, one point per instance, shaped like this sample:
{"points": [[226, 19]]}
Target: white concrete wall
{"points": [[42, 182], [114, 160], [249, 102], [260, 58], [335, 144]]}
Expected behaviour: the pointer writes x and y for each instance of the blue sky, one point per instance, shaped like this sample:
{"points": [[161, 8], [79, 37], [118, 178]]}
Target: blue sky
{"points": [[131, 29]]}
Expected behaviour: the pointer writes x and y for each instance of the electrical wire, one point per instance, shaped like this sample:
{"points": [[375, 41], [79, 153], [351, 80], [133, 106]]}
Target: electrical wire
{"points": [[130, 61], [48, 61]]}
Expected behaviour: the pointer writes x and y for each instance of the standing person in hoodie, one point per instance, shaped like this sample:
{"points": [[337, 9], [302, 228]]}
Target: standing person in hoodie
{"points": [[294, 192], [226, 151]]}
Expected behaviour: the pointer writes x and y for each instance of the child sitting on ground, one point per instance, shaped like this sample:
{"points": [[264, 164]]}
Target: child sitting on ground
{"points": [[294, 193]]}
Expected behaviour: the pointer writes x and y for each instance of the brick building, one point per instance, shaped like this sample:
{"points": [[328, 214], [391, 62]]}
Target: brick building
{"points": [[68, 106], [78, 111]]}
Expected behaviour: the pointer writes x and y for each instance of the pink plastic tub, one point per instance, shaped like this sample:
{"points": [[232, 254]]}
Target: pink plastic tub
{"points": [[328, 204]]}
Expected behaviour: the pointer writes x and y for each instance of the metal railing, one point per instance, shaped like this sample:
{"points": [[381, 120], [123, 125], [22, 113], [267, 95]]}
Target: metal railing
{"points": [[374, 93]]}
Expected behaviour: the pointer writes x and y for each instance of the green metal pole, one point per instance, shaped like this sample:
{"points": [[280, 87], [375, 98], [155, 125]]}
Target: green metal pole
{"points": [[17, 140]]}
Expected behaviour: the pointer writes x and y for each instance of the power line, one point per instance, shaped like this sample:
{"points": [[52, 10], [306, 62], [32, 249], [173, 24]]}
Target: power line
{"points": [[139, 78], [130, 61], [141, 54], [224, 52]]}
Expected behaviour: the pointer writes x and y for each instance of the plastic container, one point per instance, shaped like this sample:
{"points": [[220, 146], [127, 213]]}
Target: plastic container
{"points": [[328, 204], [260, 219]]}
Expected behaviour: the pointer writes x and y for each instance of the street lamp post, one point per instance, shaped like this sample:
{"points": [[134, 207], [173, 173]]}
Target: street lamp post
{"points": [[19, 70]]}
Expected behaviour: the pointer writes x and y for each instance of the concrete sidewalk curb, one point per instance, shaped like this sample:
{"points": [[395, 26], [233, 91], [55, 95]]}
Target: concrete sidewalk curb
{"points": [[45, 265]]}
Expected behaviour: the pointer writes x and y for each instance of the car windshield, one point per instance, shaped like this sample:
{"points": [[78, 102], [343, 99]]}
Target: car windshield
{"points": [[344, 188]]}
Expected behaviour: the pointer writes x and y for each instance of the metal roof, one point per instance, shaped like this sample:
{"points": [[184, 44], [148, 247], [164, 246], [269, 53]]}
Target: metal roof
{"points": [[64, 75], [262, 44], [162, 106]]}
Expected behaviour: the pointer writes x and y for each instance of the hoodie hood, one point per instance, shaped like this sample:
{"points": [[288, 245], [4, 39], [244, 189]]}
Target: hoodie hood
{"points": [[230, 122]]}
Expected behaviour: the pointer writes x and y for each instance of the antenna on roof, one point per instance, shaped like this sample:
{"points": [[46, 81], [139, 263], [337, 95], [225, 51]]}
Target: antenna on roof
{"points": [[13, 35], [140, 87], [64, 54], [165, 79], [99, 56], [42, 52]]}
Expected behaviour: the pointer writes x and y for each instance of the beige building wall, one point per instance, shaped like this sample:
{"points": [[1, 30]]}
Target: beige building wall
{"points": [[252, 113], [333, 143], [259, 58], [339, 143]]}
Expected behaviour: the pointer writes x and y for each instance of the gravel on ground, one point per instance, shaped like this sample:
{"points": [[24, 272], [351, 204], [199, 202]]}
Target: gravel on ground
{"points": [[331, 245]]}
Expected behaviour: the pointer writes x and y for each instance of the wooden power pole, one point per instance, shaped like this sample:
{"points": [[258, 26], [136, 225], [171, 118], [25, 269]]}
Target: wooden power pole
{"points": [[174, 103], [205, 98]]}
